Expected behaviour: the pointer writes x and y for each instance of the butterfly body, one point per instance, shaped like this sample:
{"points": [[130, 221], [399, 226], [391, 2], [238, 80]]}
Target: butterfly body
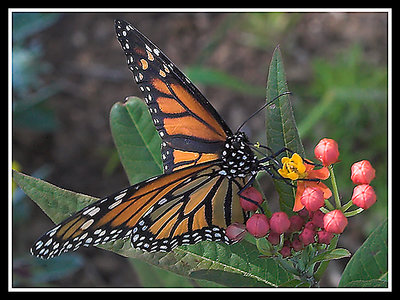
{"points": [[206, 166], [238, 158]]}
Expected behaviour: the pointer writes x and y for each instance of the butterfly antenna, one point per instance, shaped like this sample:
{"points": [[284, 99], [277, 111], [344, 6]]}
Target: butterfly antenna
{"points": [[261, 108]]}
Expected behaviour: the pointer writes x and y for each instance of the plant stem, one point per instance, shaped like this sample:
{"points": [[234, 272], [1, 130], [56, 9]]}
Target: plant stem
{"points": [[329, 205], [335, 188], [324, 210], [347, 206], [322, 267], [353, 212]]}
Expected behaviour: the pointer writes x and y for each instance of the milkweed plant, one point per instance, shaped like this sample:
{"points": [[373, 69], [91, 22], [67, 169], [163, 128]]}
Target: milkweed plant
{"points": [[309, 236]]}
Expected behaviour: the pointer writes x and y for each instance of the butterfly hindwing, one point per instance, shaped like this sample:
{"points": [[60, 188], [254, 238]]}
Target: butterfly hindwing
{"points": [[191, 129], [83, 228], [198, 209], [184, 207]]}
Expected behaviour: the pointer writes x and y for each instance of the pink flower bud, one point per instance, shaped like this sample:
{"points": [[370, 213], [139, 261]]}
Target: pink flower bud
{"points": [[236, 231], [279, 222], [362, 172], [297, 245], [253, 194], [363, 196], [310, 225], [318, 219], [304, 213], [312, 198], [307, 236], [274, 238], [327, 151], [257, 225], [324, 237], [296, 223], [285, 251], [335, 221]]}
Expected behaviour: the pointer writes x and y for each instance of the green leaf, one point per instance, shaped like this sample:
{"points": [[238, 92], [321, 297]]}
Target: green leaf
{"points": [[370, 263], [56, 202], [232, 266], [331, 254], [281, 129], [151, 276], [136, 139], [373, 283], [264, 246], [295, 283]]}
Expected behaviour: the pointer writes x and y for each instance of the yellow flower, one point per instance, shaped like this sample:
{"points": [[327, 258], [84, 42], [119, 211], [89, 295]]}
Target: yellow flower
{"points": [[293, 168]]}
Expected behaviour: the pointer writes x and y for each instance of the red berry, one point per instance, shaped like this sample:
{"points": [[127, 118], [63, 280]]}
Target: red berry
{"points": [[236, 231], [257, 225], [279, 222], [362, 172], [324, 237], [364, 196], [253, 194], [312, 198], [327, 151], [307, 236], [335, 221]]}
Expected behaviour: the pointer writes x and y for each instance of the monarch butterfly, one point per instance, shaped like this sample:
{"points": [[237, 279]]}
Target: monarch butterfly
{"points": [[206, 166]]}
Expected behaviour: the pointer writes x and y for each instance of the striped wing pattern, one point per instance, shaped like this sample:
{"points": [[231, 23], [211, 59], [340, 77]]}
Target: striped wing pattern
{"points": [[190, 205], [191, 129]]}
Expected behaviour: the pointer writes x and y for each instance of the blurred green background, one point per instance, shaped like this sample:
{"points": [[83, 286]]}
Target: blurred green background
{"points": [[68, 70]]}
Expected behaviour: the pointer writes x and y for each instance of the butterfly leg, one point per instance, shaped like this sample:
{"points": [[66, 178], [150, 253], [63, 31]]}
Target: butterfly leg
{"points": [[274, 155], [306, 160], [257, 146], [291, 152], [276, 175], [280, 151]]}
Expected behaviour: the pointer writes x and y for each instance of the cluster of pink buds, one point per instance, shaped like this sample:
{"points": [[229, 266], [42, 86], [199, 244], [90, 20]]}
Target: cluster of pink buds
{"points": [[316, 219]]}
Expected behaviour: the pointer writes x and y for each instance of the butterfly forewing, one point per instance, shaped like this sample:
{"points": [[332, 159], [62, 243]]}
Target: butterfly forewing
{"points": [[191, 129], [184, 207]]}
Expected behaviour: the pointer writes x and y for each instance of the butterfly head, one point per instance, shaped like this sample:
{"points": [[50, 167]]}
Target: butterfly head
{"points": [[239, 160]]}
